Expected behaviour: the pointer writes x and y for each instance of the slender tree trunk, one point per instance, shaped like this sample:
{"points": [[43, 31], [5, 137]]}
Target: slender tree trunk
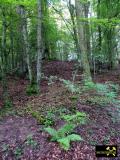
{"points": [[6, 98], [39, 43], [111, 47], [26, 46], [87, 29], [12, 45], [75, 35], [20, 43], [99, 27], [80, 12], [45, 17]]}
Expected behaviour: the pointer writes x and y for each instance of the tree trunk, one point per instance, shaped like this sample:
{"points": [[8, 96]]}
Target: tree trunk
{"points": [[3, 63], [80, 12], [12, 45], [39, 43], [75, 35], [87, 29], [99, 27], [26, 43], [20, 43], [111, 47]]}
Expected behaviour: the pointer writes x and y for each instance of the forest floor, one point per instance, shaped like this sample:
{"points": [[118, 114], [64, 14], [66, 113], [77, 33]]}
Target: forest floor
{"points": [[22, 136]]}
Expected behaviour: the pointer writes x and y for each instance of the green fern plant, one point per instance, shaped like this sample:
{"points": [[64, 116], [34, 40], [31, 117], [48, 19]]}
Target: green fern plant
{"points": [[65, 142], [63, 136], [71, 86], [79, 117], [89, 85], [102, 88]]}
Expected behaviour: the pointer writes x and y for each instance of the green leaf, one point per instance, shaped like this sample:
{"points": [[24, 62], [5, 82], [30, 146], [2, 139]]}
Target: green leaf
{"points": [[51, 131], [68, 117], [81, 114], [67, 128], [64, 143], [74, 137]]}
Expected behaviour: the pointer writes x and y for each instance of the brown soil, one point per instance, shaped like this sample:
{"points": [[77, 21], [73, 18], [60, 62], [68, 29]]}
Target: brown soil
{"points": [[103, 126]]}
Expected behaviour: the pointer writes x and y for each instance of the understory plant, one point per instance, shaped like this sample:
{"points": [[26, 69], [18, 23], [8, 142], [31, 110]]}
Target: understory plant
{"points": [[103, 93], [64, 135], [46, 120], [78, 118], [30, 141], [32, 89], [72, 87], [18, 153]]}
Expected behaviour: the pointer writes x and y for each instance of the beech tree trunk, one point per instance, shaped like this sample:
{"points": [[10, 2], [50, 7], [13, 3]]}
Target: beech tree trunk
{"points": [[20, 42], [3, 62], [39, 43], [75, 34], [26, 42], [80, 12]]}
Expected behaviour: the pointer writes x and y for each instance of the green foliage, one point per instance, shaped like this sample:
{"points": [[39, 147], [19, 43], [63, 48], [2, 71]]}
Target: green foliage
{"points": [[99, 94], [111, 95], [7, 101], [5, 111], [63, 135], [5, 147], [74, 97], [66, 129], [49, 119], [30, 141], [32, 89], [65, 142], [101, 88], [71, 86], [106, 139], [46, 120], [62, 110], [99, 100], [89, 85], [109, 90], [18, 152], [102, 94], [79, 117], [52, 132], [40, 118]]}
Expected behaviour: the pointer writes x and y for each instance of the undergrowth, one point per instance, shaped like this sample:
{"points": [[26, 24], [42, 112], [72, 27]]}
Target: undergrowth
{"points": [[63, 135], [103, 93], [46, 120], [32, 89], [5, 111], [72, 87], [77, 118], [97, 93]]}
